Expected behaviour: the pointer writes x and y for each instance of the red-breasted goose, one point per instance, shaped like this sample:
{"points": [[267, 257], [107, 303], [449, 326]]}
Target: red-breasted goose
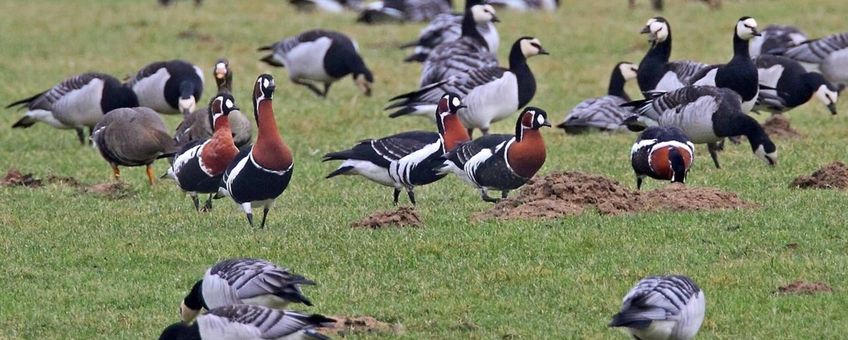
{"points": [[447, 27], [249, 322], [663, 153], [785, 84], [662, 308], [603, 113], [168, 87], [656, 72]]}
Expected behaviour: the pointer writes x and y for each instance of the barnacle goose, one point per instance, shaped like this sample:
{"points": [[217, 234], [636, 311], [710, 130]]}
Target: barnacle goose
{"points": [[776, 37], [662, 308], [604, 113], [656, 73], [168, 87], [332, 6], [526, 5], [827, 55], [250, 322], [447, 27], [403, 10], [788, 85]]}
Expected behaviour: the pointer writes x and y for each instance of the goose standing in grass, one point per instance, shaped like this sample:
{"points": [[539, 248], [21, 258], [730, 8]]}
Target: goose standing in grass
{"points": [[199, 166], [385, 11], [244, 281], [448, 27], [320, 56], [491, 94], [663, 153], [604, 113], [260, 174], [776, 37], [407, 159], [827, 55], [250, 322], [706, 114], [527, 5], [501, 162], [662, 308], [168, 87], [789, 85], [740, 74], [656, 73], [132, 137], [195, 125], [331, 6], [77, 102]]}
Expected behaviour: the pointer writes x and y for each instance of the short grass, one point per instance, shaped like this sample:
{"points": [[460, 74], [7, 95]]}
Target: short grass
{"points": [[81, 266]]}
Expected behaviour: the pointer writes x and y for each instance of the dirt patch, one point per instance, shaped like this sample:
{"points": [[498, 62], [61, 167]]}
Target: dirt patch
{"points": [[192, 33], [114, 190], [15, 178], [402, 217], [831, 176], [778, 126], [351, 325], [803, 288], [572, 193]]}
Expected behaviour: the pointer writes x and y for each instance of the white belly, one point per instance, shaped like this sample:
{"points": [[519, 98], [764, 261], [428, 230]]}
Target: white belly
{"points": [[151, 92], [370, 171], [80, 107], [306, 60]]}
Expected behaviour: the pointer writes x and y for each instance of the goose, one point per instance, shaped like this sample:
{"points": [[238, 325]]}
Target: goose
{"points": [[330, 6], [447, 27], [656, 73], [776, 37], [706, 114], [792, 85], [195, 125], [260, 174], [740, 74], [469, 52], [827, 55], [662, 153], [76, 102], [320, 56], [244, 281], [662, 308], [501, 162], [132, 137], [526, 5], [249, 322], [405, 160], [199, 165], [604, 113], [490, 94], [403, 10], [168, 87]]}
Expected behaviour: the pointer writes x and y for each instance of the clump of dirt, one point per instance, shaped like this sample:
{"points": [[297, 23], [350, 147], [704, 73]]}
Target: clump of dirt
{"points": [[112, 191], [831, 176], [802, 287], [402, 217], [778, 126], [115, 190], [14, 177], [572, 193], [350, 325]]}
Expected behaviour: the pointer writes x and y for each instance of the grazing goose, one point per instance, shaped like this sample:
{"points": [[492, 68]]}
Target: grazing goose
{"points": [[168, 87], [706, 114], [403, 10], [827, 55], [526, 5], [501, 162], [662, 308], [199, 166], [260, 174], [792, 85], [491, 94], [244, 281], [663, 153], [447, 27], [407, 159], [132, 137], [331, 6], [77, 102], [656, 73], [469, 52], [195, 125], [776, 37], [320, 56], [249, 322], [740, 74], [604, 113]]}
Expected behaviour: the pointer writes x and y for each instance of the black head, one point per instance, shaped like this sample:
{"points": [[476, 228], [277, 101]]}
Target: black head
{"points": [[192, 303], [264, 88], [221, 105], [532, 118], [529, 47], [822, 89], [180, 331], [627, 70], [765, 149], [657, 29], [746, 28], [222, 69], [450, 103]]}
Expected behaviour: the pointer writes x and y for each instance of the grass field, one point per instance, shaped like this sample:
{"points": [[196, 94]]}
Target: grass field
{"points": [[82, 266]]}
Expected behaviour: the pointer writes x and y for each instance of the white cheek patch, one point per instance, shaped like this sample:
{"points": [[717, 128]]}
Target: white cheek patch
{"points": [[456, 102], [265, 82], [540, 119], [229, 104]]}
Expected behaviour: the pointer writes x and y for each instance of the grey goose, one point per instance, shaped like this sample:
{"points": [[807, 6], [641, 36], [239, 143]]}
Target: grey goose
{"points": [[168, 87], [603, 113], [249, 322], [662, 308]]}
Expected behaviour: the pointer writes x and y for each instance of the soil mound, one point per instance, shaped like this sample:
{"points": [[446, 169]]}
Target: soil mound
{"points": [[114, 190], [831, 176], [680, 197], [803, 287], [402, 217], [15, 178], [350, 325], [778, 126]]}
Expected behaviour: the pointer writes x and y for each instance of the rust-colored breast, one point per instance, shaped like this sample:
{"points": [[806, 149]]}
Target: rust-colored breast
{"points": [[220, 151], [527, 156], [270, 151], [455, 133]]}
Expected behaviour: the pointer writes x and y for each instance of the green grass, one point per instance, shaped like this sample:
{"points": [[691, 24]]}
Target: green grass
{"points": [[81, 266]]}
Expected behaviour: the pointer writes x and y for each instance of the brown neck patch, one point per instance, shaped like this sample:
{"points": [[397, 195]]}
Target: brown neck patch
{"points": [[455, 132], [270, 151], [220, 150], [527, 156]]}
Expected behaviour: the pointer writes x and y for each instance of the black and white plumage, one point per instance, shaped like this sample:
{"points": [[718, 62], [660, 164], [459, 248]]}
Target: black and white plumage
{"points": [[447, 27], [656, 72], [77, 102], [501, 162], [331, 6], [490, 94], [662, 308], [244, 281], [706, 114], [776, 37], [663, 153], [260, 174], [526, 5], [168, 87], [384, 11], [740, 73], [250, 322], [470, 51], [408, 159], [604, 113], [320, 56], [786, 85], [827, 55]]}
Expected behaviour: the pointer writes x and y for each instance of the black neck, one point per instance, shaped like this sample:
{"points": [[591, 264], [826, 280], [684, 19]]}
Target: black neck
{"points": [[653, 65], [740, 48], [616, 84], [469, 27], [678, 165], [225, 85], [194, 299], [519, 128], [740, 124], [810, 82], [526, 80]]}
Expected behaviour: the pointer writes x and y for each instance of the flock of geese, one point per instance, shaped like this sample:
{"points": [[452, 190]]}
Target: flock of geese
{"points": [[462, 88]]}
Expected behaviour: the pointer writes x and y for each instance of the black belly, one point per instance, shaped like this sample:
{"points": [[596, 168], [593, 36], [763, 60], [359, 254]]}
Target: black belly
{"points": [[495, 174], [192, 178], [255, 184]]}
